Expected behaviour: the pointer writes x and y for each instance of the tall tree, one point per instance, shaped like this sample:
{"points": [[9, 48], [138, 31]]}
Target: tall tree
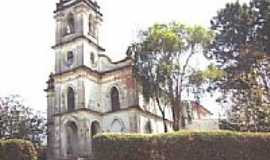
{"points": [[241, 50], [20, 122], [163, 63]]}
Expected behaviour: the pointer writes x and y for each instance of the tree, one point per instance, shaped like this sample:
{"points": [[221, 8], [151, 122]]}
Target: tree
{"points": [[162, 63], [241, 51], [20, 122], [151, 77]]}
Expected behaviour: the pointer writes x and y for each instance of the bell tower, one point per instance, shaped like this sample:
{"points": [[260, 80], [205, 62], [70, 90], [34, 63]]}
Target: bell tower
{"points": [[77, 34], [76, 53]]}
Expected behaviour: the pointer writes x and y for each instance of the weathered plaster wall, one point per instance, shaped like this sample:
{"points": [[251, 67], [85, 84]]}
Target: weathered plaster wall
{"points": [[125, 84], [156, 123], [152, 107], [83, 121], [77, 84], [61, 64], [117, 122], [106, 64]]}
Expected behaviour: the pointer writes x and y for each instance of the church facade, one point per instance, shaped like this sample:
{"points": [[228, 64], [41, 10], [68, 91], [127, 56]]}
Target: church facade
{"points": [[88, 93]]}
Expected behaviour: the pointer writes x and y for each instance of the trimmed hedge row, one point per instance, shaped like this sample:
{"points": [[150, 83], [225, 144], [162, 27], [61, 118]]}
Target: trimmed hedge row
{"points": [[41, 153], [17, 150], [183, 146]]}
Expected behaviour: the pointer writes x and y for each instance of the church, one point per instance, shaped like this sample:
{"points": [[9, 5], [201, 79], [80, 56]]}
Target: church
{"points": [[88, 93]]}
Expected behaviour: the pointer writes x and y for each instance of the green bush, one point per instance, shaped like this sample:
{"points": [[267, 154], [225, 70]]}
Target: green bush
{"points": [[183, 146], [17, 150]]}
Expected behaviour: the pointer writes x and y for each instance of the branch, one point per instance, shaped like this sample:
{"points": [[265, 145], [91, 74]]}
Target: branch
{"points": [[185, 67]]}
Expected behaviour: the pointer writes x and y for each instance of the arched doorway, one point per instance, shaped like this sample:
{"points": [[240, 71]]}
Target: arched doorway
{"points": [[148, 127], [71, 139], [71, 99], [95, 128]]}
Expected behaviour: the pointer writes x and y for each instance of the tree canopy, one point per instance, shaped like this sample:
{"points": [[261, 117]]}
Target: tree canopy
{"points": [[241, 50], [18, 121], [163, 63]]}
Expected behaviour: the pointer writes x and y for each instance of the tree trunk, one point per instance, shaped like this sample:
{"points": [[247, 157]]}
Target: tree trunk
{"points": [[164, 122], [176, 116], [163, 115]]}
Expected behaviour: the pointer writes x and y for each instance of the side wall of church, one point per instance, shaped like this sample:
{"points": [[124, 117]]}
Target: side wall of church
{"points": [[151, 124], [123, 81], [117, 122], [152, 107]]}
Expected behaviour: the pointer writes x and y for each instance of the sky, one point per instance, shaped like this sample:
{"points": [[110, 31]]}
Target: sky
{"points": [[27, 34]]}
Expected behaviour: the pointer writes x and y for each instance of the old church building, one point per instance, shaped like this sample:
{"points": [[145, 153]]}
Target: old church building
{"points": [[88, 93]]}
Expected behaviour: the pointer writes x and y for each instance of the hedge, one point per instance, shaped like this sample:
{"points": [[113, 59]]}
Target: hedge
{"points": [[183, 146], [41, 153], [17, 150]]}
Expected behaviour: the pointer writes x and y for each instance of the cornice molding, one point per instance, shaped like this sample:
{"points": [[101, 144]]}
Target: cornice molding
{"points": [[60, 44], [89, 70], [135, 108], [61, 6], [114, 62]]}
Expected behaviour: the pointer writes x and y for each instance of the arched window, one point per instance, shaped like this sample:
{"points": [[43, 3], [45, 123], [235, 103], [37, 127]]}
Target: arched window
{"points": [[70, 58], [115, 99], [70, 25], [95, 128], [118, 126], [90, 24], [71, 99], [92, 58]]}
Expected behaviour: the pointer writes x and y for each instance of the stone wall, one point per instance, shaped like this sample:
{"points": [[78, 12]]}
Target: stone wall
{"points": [[204, 124]]}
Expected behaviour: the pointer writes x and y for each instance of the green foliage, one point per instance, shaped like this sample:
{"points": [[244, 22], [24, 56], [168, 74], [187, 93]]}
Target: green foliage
{"points": [[175, 37], [212, 73], [162, 62], [163, 37], [241, 51], [199, 35], [17, 150], [183, 146], [18, 121]]}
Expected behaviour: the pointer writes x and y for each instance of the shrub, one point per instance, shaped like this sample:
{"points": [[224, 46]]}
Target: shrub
{"points": [[17, 150], [183, 146]]}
